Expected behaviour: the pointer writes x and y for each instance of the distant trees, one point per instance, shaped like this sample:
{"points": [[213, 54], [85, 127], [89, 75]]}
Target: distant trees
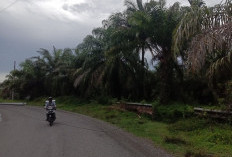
{"points": [[188, 45], [47, 74]]}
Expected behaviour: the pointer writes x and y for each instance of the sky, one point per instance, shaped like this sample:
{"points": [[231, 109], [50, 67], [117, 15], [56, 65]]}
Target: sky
{"points": [[28, 25]]}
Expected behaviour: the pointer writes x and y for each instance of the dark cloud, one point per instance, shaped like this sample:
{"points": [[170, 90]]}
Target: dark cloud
{"points": [[21, 37]]}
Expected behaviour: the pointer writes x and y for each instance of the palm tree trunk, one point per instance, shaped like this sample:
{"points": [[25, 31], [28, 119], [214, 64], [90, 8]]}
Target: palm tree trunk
{"points": [[166, 76], [143, 91], [143, 54]]}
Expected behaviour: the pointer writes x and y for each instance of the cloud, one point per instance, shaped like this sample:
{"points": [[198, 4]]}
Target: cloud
{"points": [[84, 11], [94, 6]]}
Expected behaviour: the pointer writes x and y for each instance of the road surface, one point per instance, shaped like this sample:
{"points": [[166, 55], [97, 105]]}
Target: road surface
{"points": [[25, 133]]}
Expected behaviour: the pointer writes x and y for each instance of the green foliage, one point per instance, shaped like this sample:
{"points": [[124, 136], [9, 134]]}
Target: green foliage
{"points": [[174, 140], [197, 154], [105, 100], [206, 137], [219, 136], [70, 100], [171, 113], [48, 74], [197, 90], [187, 125]]}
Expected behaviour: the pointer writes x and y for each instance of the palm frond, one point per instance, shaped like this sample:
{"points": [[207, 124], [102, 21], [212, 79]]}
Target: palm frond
{"points": [[162, 3], [80, 78], [46, 55], [207, 32], [208, 43], [130, 5], [140, 5], [221, 66]]}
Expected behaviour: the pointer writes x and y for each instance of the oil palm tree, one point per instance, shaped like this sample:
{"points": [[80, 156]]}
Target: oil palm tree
{"points": [[165, 21], [204, 37], [107, 67], [58, 66], [140, 26], [208, 35], [149, 28]]}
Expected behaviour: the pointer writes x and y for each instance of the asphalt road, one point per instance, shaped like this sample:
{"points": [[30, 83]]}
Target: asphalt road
{"points": [[25, 133]]}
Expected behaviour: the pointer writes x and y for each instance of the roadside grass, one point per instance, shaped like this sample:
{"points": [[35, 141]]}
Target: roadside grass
{"points": [[186, 136], [204, 137], [9, 100], [190, 137]]}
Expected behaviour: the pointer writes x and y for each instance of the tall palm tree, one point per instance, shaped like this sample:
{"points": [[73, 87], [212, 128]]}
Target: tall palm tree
{"points": [[204, 36], [149, 28], [140, 26], [165, 21]]}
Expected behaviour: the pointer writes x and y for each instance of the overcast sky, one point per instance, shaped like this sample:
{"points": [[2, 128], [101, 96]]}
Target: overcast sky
{"points": [[28, 25]]}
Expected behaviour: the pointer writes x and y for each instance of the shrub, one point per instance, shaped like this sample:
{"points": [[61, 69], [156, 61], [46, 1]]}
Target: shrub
{"points": [[220, 137], [188, 125], [171, 113], [104, 100]]}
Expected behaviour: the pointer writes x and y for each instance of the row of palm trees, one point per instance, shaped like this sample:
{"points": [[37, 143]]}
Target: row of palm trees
{"points": [[187, 44]]}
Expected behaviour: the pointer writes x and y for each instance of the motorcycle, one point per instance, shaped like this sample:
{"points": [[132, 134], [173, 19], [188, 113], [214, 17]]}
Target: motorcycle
{"points": [[51, 115]]}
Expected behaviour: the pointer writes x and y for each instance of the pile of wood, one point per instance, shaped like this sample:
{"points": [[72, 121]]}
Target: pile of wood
{"points": [[147, 109], [218, 114]]}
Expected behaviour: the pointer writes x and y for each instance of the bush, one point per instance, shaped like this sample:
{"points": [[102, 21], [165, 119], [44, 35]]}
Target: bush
{"points": [[104, 100], [188, 125], [171, 113], [220, 137]]}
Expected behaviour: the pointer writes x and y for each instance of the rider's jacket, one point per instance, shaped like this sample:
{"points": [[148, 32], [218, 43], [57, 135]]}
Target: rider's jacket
{"points": [[47, 103]]}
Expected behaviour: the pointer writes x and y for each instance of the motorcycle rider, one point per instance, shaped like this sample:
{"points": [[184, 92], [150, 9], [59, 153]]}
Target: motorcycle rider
{"points": [[50, 102]]}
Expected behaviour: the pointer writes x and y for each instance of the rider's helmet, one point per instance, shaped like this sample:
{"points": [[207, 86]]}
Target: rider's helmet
{"points": [[50, 98]]}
